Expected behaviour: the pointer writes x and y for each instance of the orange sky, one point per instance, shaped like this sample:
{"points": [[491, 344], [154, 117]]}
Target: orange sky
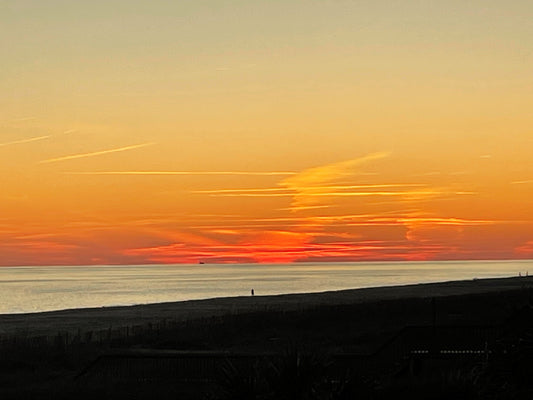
{"points": [[157, 131]]}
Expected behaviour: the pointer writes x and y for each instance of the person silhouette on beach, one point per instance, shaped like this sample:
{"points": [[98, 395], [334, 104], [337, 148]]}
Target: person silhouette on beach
{"points": [[252, 292]]}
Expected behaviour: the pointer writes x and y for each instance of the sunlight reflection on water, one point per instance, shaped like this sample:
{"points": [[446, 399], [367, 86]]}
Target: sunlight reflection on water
{"points": [[31, 289]]}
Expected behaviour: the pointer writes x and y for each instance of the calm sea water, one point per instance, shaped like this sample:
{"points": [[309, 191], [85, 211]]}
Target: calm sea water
{"points": [[31, 289]]}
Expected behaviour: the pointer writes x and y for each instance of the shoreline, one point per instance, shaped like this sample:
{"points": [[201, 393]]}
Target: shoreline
{"points": [[45, 289], [83, 319]]}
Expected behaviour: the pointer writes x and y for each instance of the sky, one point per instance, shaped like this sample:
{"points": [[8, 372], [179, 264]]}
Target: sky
{"points": [[230, 131]]}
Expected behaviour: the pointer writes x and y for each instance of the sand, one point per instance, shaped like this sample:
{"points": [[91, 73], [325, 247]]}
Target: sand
{"points": [[49, 323]]}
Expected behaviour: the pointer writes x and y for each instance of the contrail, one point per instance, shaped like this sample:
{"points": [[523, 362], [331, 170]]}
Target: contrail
{"points": [[96, 153], [254, 173], [342, 194], [310, 188], [33, 139], [23, 119]]}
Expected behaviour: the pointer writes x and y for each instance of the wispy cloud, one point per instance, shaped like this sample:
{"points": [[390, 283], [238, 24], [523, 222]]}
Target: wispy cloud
{"points": [[287, 246], [311, 188], [252, 173], [96, 153], [312, 194], [29, 140], [24, 119], [441, 221], [525, 248], [522, 182], [37, 138], [311, 183], [303, 208], [358, 220]]}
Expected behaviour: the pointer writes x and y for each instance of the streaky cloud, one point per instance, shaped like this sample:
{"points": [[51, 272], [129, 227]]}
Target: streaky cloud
{"points": [[354, 220], [311, 188], [96, 153], [37, 138], [24, 119], [323, 176], [304, 208], [252, 173], [345, 194], [29, 140]]}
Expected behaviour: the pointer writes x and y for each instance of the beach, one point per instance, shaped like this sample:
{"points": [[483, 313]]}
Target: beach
{"points": [[49, 323], [183, 349]]}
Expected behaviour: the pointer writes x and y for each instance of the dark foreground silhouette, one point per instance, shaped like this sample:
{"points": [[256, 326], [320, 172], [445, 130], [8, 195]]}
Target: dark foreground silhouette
{"points": [[468, 344]]}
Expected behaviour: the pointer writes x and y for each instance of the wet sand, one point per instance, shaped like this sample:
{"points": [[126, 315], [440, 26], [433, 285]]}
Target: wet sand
{"points": [[49, 323]]}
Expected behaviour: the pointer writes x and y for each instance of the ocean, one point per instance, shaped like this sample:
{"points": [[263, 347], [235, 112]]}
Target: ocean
{"points": [[34, 289]]}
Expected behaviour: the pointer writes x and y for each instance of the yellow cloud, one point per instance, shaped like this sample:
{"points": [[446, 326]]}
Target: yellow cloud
{"points": [[33, 139], [313, 181], [252, 173], [317, 192], [290, 191], [96, 153]]}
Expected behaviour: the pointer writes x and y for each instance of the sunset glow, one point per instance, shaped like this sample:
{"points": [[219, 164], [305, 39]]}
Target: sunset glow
{"points": [[136, 132]]}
